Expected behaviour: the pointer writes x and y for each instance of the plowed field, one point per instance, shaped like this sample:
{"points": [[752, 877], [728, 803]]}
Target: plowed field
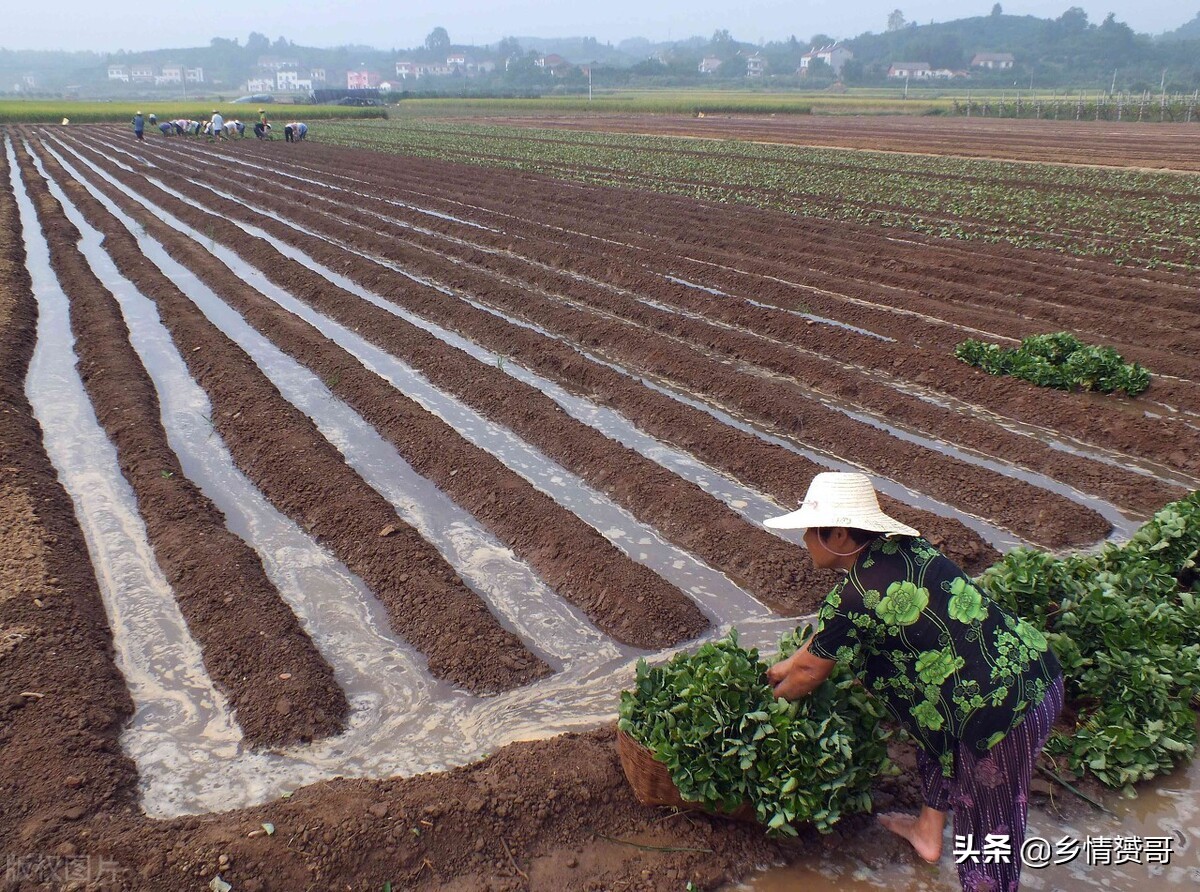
{"points": [[325, 474]]}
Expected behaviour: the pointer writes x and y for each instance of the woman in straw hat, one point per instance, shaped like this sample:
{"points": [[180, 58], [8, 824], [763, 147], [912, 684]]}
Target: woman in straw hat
{"points": [[976, 687]]}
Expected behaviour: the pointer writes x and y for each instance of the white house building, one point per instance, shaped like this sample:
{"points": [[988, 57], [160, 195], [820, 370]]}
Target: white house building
{"points": [[995, 61], [914, 70], [834, 55], [118, 73]]}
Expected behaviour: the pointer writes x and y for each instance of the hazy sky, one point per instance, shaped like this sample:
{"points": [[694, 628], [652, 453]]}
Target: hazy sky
{"points": [[109, 25]]}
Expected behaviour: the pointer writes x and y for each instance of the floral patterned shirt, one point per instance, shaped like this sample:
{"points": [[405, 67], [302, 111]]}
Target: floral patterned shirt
{"points": [[951, 665]]}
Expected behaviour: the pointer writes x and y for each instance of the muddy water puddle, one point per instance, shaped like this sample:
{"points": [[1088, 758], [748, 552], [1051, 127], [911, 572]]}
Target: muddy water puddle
{"points": [[1166, 808], [403, 723]]}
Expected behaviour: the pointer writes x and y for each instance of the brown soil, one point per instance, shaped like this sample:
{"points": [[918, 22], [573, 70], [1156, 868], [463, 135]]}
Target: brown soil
{"points": [[282, 688], [554, 814], [1090, 143]]}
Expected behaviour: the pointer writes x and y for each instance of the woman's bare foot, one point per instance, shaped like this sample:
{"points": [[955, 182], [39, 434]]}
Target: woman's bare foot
{"points": [[924, 832]]}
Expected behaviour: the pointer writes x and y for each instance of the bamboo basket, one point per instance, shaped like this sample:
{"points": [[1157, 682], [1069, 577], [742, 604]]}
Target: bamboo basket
{"points": [[652, 785]]}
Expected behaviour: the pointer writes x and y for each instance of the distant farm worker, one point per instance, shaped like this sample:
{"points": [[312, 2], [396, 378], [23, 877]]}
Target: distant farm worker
{"points": [[295, 131], [301, 130], [261, 128], [976, 687], [166, 128], [153, 119], [236, 127], [218, 125], [139, 125]]}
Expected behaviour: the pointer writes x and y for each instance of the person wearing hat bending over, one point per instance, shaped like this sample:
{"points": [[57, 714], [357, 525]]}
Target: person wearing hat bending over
{"points": [[217, 123], [976, 687]]}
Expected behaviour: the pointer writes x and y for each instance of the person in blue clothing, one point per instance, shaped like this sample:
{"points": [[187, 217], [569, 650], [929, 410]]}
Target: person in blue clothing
{"points": [[139, 125], [976, 687]]}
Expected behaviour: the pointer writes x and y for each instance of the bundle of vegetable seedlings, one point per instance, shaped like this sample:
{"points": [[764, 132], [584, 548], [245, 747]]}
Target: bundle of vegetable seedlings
{"points": [[712, 720], [1125, 624]]}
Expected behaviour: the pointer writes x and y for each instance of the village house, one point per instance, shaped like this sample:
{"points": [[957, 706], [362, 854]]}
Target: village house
{"points": [[288, 80], [362, 79], [170, 74], [405, 70], [709, 65], [141, 73], [834, 55], [756, 66], [457, 60], [118, 73], [194, 75], [260, 84], [553, 63], [995, 61], [914, 70], [317, 75]]}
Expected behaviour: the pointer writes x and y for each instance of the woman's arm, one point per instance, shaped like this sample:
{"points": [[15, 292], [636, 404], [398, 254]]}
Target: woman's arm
{"points": [[800, 674]]}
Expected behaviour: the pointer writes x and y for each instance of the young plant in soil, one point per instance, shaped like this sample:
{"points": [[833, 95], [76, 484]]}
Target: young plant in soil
{"points": [[713, 720], [1125, 623], [1058, 360]]}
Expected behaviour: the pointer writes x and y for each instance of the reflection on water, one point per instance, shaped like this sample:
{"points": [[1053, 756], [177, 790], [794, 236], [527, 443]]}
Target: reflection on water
{"points": [[873, 859]]}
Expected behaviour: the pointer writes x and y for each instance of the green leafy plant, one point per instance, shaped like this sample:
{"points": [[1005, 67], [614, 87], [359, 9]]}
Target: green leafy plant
{"points": [[713, 720], [1125, 623], [1058, 360]]}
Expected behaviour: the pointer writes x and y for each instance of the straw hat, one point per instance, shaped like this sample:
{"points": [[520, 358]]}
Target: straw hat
{"points": [[838, 499]]}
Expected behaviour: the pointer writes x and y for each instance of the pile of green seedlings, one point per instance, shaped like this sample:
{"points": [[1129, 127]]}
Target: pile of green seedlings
{"points": [[713, 720], [1125, 623], [1058, 360]]}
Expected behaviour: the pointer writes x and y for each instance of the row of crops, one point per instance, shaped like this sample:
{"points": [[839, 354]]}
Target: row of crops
{"points": [[1140, 218]]}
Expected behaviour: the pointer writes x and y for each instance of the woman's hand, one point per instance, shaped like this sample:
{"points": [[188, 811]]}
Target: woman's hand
{"points": [[799, 675]]}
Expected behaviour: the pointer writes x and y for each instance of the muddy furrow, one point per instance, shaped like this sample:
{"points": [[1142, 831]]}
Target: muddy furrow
{"points": [[869, 309], [63, 701], [306, 478], [1009, 501], [249, 636], [855, 385], [1084, 283], [624, 598], [771, 569], [741, 454]]}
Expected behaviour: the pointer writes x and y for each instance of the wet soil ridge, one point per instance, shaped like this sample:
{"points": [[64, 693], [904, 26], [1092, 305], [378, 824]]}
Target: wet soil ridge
{"points": [[62, 755], [852, 385], [625, 599], [742, 455], [855, 288], [639, 344], [724, 447], [281, 687], [1076, 290], [584, 328], [770, 568], [306, 478]]}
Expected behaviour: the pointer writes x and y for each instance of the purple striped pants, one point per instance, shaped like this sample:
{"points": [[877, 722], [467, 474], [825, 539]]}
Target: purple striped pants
{"points": [[989, 794]]}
